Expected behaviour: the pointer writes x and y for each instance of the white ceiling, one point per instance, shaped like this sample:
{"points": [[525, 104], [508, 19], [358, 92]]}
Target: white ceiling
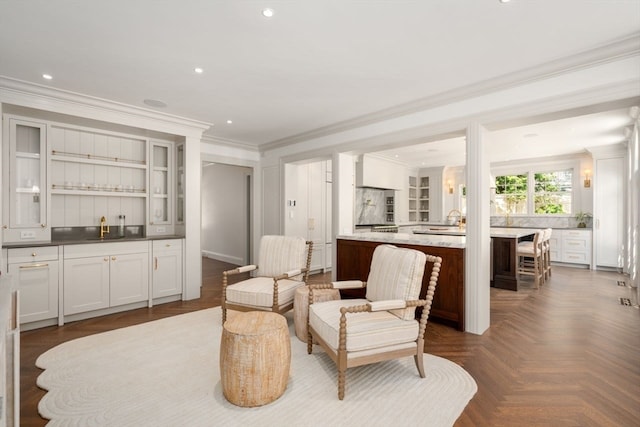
{"points": [[314, 64]]}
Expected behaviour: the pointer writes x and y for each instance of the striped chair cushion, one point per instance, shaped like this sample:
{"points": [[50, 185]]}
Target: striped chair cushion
{"points": [[258, 291], [365, 331], [279, 254], [396, 273]]}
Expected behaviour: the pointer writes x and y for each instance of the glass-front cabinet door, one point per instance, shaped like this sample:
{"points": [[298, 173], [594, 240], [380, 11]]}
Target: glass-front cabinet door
{"points": [[25, 177], [180, 184], [161, 183]]}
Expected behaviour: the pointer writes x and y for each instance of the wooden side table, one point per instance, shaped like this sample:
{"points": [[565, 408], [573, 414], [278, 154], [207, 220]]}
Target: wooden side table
{"points": [[255, 358], [301, 307]]}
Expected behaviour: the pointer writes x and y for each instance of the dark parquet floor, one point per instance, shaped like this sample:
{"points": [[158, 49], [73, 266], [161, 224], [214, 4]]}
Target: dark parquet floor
{"points": [[567, 354]]}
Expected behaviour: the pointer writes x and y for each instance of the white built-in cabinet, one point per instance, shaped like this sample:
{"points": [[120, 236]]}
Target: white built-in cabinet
{"points": [[95, 174], [167, 268], [608, 221], [103, 275], [179, 184], [306, 207], [35, 274], [161, 183], [571, 246], [412, 197], [24, 175]]}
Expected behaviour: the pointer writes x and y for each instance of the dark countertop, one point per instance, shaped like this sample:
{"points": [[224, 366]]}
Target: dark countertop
{"points": [[87, 241]]}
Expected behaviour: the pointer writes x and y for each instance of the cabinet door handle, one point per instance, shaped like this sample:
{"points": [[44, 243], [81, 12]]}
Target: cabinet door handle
{"points": [[34, 266], [155, 263], [33, 254], [106, 258], [113, 258], [43, 225]]}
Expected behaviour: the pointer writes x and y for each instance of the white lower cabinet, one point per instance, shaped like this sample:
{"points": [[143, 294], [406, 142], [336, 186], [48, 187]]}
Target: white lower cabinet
{"points": [[103, 275], [167, 268], [35, 271], [571, 246], [86, 284]]}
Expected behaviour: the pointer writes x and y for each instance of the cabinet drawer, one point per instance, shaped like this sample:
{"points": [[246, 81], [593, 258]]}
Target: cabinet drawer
{"points": [[575, 257], [34, 254], [583, 234], [105, 248], [167, 244], [574, 245]]}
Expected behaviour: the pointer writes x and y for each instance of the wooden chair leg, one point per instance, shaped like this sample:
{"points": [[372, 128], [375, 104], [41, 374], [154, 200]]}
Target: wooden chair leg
{"points": [[341, 379], [419, 363]]}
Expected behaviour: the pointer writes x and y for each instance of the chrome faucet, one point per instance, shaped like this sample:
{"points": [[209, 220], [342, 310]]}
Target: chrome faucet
{"points": [[104, 227], [454, 211]]}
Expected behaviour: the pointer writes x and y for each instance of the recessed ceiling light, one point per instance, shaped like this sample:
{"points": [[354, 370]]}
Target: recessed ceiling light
{"points": [[505, 1], [155, 103], [229, 122], [267, 13], [198, 70], [47, 76]]}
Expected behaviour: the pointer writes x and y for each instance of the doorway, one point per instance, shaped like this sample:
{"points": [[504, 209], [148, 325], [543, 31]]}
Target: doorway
{"points": [[226, 212]]}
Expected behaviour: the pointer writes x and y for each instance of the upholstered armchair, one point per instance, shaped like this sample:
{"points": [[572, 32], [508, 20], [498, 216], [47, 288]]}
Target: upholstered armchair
{"points": [[382, 326], [283, 266]]}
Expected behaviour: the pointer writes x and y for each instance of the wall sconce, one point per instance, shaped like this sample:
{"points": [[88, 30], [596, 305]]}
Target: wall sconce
{"points": [[587, 178], [450, 185]]}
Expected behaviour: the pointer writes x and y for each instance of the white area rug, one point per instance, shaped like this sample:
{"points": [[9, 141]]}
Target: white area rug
{"points": [[166, 373]]}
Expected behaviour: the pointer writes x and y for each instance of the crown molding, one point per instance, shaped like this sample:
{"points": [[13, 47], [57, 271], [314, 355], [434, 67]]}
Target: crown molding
{"points": [[32, 95], [622, 48], [209, 139]]}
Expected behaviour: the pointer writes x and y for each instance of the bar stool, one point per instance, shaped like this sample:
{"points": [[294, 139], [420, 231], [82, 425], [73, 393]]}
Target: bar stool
{"points": [[546, 254], [531, 259]]}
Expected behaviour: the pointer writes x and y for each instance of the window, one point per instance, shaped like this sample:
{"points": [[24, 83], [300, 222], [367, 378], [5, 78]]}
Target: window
{"points": [[553, 192], [539, 193], [511, 194]]}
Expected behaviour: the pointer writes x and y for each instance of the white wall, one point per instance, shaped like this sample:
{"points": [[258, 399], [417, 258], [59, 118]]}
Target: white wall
{"points": [[225, 209]]}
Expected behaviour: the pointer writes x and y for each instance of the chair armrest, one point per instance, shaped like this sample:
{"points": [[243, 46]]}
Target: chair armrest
{"points": [[291, 273], [389, 304], [242, 269], [349, 284]]}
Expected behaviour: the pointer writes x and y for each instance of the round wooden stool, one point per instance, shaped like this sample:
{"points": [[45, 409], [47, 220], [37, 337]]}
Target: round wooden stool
{"points": [[255, 357], [301, 307]]}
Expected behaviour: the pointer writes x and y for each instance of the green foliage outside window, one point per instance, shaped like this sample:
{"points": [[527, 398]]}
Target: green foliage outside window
{"points": [[551, 193]]}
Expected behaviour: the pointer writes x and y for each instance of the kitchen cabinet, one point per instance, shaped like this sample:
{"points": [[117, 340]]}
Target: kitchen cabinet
{"points": [[424, 199], [161, 182], [413, 199], [118, 272], [306, 207], [180, 184], [167, 268], [96, 173], [24, 175], [571, 246], [608, 221], [35, 272]]}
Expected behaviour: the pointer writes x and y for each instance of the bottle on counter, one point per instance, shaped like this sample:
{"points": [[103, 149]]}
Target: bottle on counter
{"points": [[121, 225]]}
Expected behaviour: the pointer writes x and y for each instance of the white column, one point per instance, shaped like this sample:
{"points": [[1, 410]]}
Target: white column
{"points": [[477, 256], [193, 256], [342, 190]]}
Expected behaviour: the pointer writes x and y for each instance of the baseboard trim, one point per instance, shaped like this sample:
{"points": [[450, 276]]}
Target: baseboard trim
{"points": [[223, 257]]}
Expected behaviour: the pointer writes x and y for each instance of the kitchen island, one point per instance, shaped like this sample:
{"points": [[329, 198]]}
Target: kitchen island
{"points": [[354, 253]]}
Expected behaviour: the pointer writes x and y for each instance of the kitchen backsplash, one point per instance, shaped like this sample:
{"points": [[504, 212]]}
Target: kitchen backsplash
{"points": [[370, 206], [536, 222]]}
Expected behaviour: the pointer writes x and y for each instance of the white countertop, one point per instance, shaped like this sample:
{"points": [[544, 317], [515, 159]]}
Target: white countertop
{"points": [[409, 239], [450, 237]]}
